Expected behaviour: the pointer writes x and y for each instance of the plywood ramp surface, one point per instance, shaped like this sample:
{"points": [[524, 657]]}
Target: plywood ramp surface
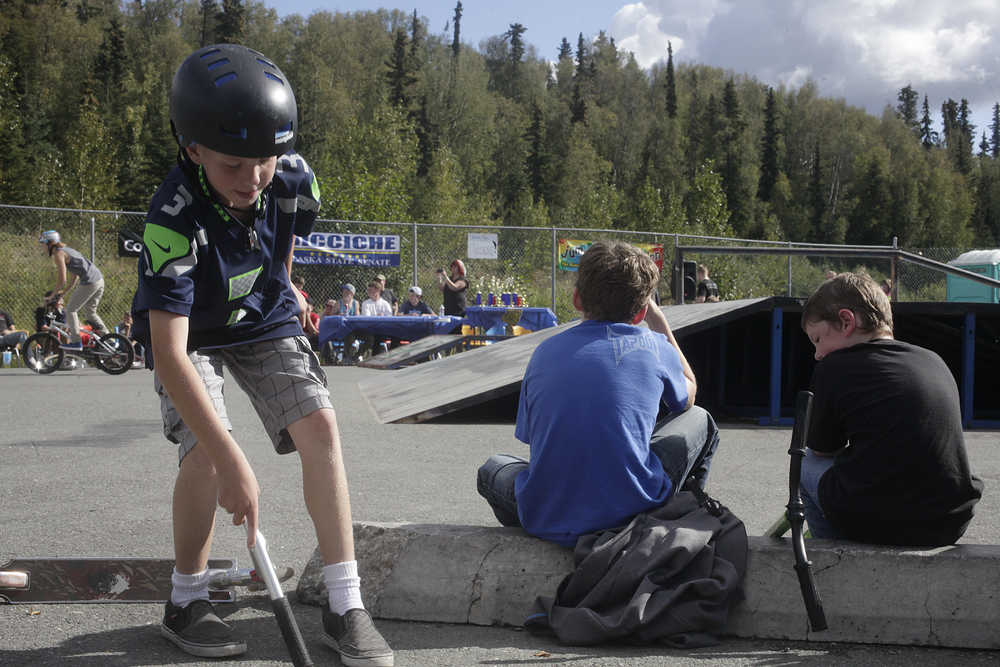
{"points": [[418, 350], [428, 390]]}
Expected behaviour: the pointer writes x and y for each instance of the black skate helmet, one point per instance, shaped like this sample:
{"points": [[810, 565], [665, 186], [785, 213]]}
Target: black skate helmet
{"points": [[233, 100]]}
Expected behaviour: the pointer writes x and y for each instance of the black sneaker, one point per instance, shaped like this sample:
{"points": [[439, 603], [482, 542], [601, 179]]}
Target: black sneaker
{"points": [[198, 631], [354, 636]]}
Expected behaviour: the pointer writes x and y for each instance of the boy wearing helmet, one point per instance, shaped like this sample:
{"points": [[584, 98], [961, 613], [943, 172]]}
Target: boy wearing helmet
{"points": [[214, 291]]}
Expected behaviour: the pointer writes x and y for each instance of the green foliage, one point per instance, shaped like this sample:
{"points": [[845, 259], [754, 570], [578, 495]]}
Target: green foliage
{"points": [[401, 123]]}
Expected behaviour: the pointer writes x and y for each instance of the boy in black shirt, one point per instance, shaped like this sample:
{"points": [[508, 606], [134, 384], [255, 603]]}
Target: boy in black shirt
{"points": [[887, 461]]}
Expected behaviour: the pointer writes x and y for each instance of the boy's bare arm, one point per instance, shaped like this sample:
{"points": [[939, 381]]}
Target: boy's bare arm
{"points": [[238, 490], [657, 321]]}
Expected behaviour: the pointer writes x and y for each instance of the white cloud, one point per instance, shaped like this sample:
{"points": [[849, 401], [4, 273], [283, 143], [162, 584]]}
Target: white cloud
{"points": [[863, 50]]}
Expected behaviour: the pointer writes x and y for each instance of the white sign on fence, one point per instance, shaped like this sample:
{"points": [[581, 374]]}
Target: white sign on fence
{"points": [[482, 246]]}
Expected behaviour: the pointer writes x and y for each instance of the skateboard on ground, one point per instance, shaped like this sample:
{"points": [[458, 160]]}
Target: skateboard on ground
{"points": [[55, 580]]}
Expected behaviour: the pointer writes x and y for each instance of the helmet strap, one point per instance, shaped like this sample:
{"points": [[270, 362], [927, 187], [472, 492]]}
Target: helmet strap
{"points": [[253, 241]]}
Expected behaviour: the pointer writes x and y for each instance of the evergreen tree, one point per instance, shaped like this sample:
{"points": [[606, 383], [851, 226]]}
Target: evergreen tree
{"points": [[512, 87], [769, 154], [565, 50], [927, 134], [738, 195], [995, 131], [907, 108], [965, 138], [671, 84], [231, 22], [416, 60], [817, 198], [208, 15], [456, 42], [426, 139], [399, 75], [537, 156], [984, 146], [110, 65]]}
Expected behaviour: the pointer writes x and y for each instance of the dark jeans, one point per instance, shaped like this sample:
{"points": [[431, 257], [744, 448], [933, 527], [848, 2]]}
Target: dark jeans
{"points": [[813, 467], [13, 339], [685, 444]]}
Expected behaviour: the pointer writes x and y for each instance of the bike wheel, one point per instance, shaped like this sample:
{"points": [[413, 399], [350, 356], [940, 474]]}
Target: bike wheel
{"points": [[41, 353], [113, 354]]}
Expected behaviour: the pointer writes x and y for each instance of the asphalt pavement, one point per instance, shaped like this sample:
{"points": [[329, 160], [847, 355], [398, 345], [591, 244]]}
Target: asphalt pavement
{"points": [[86, 472]]}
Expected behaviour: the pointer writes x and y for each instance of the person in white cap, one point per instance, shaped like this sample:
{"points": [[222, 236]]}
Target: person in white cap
{"points": [[414, 305]]}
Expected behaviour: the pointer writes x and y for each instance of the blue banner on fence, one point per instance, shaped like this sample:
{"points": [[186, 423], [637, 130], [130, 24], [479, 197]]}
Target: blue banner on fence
{"points": [[347, 249]]}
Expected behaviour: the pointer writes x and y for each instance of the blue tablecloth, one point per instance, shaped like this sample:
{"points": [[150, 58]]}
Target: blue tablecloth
{"points": [[406, 327], [488, 317]]}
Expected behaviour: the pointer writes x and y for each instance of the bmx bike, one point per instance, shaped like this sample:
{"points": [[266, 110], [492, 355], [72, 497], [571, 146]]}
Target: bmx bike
{"points": [[43, 352]]}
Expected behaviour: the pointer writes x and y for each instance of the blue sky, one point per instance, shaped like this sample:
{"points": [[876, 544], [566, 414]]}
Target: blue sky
{"points": [[546, 20], [863, 51]]}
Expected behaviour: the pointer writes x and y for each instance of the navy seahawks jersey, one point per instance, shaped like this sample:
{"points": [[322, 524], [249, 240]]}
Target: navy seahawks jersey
{"points": [[228, 278]]}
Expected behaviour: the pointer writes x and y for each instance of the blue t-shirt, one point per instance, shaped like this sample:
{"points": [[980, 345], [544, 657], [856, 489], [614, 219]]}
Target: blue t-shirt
{"points": [[196, 262], [589, 402]]}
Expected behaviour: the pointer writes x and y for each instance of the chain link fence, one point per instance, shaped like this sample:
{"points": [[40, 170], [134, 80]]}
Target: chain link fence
{"points": [[527, 262]]}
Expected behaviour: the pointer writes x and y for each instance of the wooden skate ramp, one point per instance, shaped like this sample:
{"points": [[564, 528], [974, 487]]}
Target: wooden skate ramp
{"points": [[415, 352], [425, 391]]}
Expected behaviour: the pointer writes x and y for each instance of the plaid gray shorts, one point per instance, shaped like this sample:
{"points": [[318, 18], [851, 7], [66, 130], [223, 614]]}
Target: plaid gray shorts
{"points": [[282, 377]]}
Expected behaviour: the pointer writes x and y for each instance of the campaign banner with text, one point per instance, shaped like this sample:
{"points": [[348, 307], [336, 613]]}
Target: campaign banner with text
{"points": [[571, 250], [347, 249]]}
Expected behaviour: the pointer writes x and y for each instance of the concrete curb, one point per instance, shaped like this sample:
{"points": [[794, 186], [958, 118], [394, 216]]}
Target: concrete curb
{"points": [[871, 594]]}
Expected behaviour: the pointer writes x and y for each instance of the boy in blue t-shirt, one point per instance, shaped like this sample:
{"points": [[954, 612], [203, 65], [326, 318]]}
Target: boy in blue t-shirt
{"points": [[213, 292], [590, 411]]}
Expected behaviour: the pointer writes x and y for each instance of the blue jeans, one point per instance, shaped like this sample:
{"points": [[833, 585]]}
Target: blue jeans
{"points": [[813, 467], [685, 444]]}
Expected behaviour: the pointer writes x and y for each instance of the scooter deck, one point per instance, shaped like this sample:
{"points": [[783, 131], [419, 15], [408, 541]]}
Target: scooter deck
{"points": [[65, 580]]}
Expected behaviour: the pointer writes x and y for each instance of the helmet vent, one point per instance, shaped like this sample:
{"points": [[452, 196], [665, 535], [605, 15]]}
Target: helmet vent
{"points": [[210, 53], [218, 63], [224, 79], [235, 134], [274, 78], [266, 63]]}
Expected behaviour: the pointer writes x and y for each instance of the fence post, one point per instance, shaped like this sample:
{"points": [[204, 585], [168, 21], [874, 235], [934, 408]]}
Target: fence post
{"points": [[414, 255], [789, 292], [93, 233], [555, 263]]}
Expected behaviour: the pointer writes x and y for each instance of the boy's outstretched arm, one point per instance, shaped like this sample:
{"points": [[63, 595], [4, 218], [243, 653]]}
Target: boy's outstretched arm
{"points": [[657, 322], [238, 490]]}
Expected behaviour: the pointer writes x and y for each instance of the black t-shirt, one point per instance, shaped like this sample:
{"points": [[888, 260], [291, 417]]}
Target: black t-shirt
{"points": [[708, 289], [454, 302], [420, 309], [5, 321], [904, 479]]}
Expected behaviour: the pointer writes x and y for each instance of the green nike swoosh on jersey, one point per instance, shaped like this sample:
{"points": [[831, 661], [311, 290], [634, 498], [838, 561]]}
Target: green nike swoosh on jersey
{"points": [[164, 245]]}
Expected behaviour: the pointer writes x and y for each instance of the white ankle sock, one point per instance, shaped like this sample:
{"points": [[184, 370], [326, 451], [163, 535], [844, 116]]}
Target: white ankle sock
{"points": [[344, 586], [188, 587]]}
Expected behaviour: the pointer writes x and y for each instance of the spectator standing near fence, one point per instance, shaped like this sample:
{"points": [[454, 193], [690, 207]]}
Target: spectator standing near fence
{"points": [[453, 288], [707, 291], [87, 286]]}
